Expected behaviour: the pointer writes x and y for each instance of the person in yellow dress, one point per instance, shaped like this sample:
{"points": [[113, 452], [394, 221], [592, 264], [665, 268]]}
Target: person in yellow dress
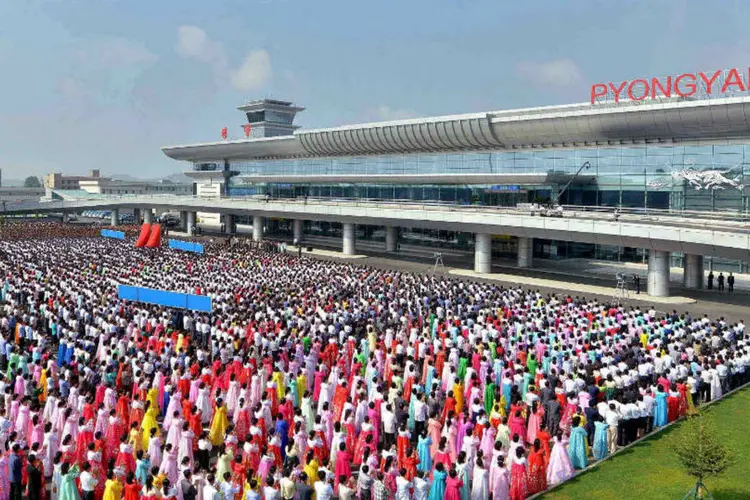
{"points": [[135, 438], [43, 386], [301, 383], [149, 422], [311, 468], [458, 395], [152, 396], [278, 378], [113, 487], [219, 424]]}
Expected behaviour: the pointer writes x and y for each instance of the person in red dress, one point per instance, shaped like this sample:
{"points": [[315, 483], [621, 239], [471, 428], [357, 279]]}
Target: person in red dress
{"points": [[132, 489], [537, 471], [518, 475]]}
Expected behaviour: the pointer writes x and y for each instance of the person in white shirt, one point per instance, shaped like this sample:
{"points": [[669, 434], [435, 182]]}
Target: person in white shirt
{"points": [[613, 419], [403, 486], [269, 492], [88, 482], [227, 488], [421, 487], [323, 489], [209, 490]]}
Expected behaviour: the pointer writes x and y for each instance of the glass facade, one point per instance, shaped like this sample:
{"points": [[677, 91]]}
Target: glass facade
{"points": [[710, 177], [692, 177]]}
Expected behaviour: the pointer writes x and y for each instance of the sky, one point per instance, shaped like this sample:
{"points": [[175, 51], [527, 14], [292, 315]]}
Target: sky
{"points": [[106, 83]]}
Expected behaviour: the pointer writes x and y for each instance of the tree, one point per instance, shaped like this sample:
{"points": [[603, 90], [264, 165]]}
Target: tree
{"points": [[32, 182], [701, 453]]}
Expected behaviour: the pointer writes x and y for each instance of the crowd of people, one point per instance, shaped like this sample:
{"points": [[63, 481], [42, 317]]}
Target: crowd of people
{"points": [[321, 378]]}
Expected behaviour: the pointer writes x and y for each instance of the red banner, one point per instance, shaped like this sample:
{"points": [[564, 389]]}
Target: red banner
{"points": [[247, 128], [224, 133]]}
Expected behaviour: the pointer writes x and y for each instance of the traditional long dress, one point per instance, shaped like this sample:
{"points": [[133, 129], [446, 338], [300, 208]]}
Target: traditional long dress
{"points": [[577, 447], [68, 489], [423, 450], [219, 426], [480, 484], [537, 473], [453, 488], [560, 468], [600, 448], [149, 422], [499, 482], [113, 490], [437, 489], [661, 412], [518, 485]]}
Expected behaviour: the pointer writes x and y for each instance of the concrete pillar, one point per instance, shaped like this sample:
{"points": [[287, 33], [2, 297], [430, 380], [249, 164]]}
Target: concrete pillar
{"points": [[692, 276], [298, 234], [525, 252], [483, 253], [137, 215], [228, 223], [257, 228], [183, 220], [349, 244], [391, 239], [191, 223], [115, 217], [148, 216], [66, 217], [658, 273]]}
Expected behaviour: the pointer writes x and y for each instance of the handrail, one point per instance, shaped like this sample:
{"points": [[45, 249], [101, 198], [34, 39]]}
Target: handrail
{"points": [[733, 220]]}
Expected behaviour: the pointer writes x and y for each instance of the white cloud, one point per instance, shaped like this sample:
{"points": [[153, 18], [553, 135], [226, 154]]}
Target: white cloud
{"points": [[254, 72], [561, 73], [194, 43]]}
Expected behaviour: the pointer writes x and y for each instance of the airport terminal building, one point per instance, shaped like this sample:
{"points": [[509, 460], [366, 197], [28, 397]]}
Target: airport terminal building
{"points": [[676, 153]]}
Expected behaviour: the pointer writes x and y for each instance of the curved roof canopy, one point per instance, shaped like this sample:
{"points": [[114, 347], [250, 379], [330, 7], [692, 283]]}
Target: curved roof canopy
{"points": [[552, 126]]}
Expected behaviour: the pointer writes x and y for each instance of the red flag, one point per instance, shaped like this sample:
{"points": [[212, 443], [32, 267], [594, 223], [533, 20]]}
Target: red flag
{"points": [[224, 133], [247, 128]]}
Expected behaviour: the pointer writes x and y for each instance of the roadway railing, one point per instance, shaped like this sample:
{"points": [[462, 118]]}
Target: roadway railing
{"points": [[701, 219]]}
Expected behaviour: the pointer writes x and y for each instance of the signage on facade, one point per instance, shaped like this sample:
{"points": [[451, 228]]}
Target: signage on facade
{"points": [[501, 188], [698, 85]]}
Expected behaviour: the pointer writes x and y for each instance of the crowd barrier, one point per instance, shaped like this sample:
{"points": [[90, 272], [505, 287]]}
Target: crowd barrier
{"points": [[165, 298], [187, 246], [108, 233]]}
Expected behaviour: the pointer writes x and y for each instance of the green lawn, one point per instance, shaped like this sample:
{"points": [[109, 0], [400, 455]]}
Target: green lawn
{"points": [[650, 470]]}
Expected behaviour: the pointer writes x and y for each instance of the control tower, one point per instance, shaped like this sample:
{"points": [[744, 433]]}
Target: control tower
{"points": [[270, 118]]}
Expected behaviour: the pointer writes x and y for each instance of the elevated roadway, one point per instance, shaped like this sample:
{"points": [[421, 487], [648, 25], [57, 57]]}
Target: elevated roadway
{"points": [[692, 233]]}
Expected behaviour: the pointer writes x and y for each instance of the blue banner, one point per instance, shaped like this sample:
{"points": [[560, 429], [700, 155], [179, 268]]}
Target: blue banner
{"points": [[187, 246], [164, 298], [108, 233]]}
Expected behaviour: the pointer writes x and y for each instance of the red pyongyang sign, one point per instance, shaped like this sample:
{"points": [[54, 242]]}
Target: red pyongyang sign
{"points": [[684, 85]]}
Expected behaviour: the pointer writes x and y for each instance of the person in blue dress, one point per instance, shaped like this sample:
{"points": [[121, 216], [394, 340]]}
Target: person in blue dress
{"points": [[660, 411], [437, 489], [600, 449], [423, 450], [577, 445]]}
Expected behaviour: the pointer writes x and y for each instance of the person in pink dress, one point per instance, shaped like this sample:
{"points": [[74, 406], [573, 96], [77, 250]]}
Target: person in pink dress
{"points": [[453, 485]]}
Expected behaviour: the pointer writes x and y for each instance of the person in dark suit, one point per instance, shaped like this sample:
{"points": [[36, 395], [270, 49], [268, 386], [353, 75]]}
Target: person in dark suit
{"points": [[34, 481], [304, 490], [14, 474]]}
